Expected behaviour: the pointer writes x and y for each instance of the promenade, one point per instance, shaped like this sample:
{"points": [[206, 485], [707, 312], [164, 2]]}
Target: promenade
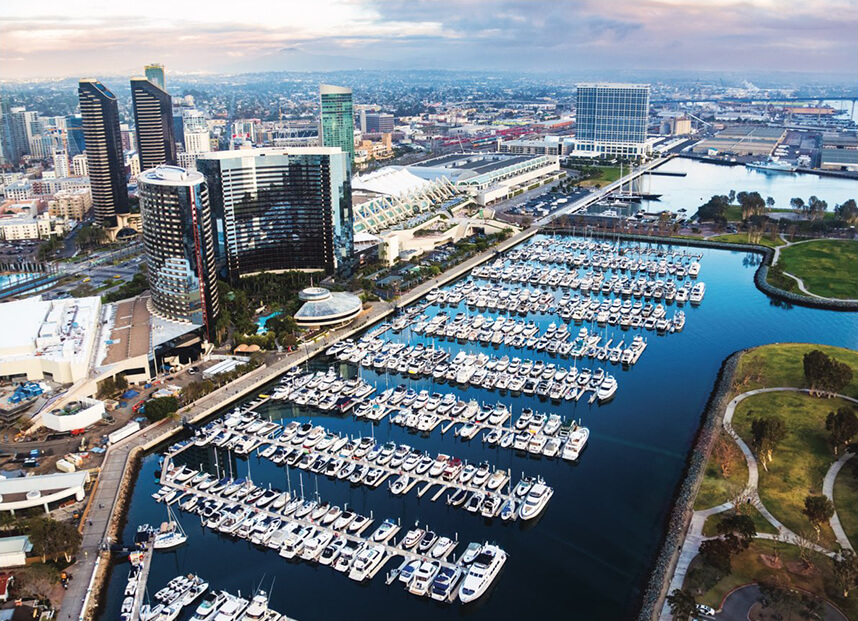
{"points": [[101, 508]]}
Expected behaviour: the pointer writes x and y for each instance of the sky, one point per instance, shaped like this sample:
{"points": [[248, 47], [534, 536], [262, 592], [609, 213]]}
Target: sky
{"points": [[62, 38]]}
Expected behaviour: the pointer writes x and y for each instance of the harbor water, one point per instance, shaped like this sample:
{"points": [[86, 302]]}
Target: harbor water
{"points": [[703, 180], [588, 556]]}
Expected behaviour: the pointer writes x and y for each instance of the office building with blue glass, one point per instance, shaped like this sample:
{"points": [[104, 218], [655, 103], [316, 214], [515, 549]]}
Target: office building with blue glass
{"points": [[611, 120]]}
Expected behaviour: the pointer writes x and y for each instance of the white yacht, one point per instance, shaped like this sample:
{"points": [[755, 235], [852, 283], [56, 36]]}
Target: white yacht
{"points": [[482, 573], [536, 500], [575, 443], [171, 533]]}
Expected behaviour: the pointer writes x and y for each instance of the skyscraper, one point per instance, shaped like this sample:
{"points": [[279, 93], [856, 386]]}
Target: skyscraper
{"points": [[611, 119], [104, 158], [337, 118], [281, 208], [179, 243], [155, 74], [61, 163], [153, 121]]}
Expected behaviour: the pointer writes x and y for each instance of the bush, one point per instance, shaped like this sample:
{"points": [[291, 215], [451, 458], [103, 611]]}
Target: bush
{"points": [[160, 408]]}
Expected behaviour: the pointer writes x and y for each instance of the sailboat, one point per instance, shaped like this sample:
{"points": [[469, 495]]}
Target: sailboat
{"points": [[171, 533]]}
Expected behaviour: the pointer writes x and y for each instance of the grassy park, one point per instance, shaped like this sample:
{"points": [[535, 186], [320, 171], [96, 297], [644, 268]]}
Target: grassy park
{"points": [[743, 238], [800, 461], [828, 267], [846, 495], [601, 176]]}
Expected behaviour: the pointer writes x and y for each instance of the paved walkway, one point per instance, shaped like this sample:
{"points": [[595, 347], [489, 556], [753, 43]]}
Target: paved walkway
{"points": [[739, 602], [828, 490], [799, 281], [694, 537]]}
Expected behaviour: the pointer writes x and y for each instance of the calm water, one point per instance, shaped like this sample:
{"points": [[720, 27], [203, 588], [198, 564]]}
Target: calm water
{"points": [[704, 180], [589, 555]]}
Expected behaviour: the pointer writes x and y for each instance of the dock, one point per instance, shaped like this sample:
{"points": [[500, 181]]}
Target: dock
{"points": [[142, 579]]}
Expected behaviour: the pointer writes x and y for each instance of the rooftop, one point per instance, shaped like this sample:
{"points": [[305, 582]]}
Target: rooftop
{"points": [[10, 545]]}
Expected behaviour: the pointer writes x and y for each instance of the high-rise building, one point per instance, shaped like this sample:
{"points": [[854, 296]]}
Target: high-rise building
{"points": [[194, 121], [376, 122], [179, 243], [337, 123], [611, 119], [196, 132], [71, 204], [18, 141], [281, 208], [153, 121], [61, 162], [104, 157], [74, 136], [155, 74], [79, 167]]}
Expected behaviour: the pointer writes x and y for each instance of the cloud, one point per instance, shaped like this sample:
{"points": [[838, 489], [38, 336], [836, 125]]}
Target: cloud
{"points": [[100, 36]]}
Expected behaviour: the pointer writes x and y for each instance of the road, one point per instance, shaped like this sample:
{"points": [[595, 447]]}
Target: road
{"points": [[739, 603]]}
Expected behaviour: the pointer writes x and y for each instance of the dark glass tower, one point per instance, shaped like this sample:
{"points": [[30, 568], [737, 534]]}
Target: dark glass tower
{"points": [[153, 122], [337, 118], [281, 209], [179, 243], [104, 159]]}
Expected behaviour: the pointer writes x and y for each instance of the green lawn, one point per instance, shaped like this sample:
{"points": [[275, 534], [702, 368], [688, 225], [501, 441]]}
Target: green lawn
{"points": [[608, 175], [800, 461], [749, 567], [715, 489], [828, 267], [742, 238], [846, 495], [780, 365]]}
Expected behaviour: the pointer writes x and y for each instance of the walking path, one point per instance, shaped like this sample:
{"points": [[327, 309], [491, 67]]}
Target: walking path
{"points": [[694, 537], [828, 490], [799, 281], [100, 511]]}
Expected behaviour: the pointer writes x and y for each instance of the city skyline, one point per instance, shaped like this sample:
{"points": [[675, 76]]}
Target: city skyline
{"points": [[717, 35]]}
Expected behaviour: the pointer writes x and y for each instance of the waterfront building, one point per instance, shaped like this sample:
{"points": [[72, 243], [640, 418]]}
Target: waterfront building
{"points": [[489, 177], [281, 208], [155, 74], [153, 122], [104, 158], [45, 491], [337, 124], [387, 197], [550, 145], [178, 239], [324, 308], [611, 119]]}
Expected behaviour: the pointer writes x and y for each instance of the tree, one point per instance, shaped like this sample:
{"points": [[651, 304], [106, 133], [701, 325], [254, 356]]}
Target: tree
{"points": [[841, 426], [52, 539], [107, 388], [818, 510], [160, 408], [719, 552], [770, 202], [682, 604], [752, 204], [816, 207], [731, 196], [797, 203], [714, 209], [846, 571], [742, 526], [848, 212], [726, 453], [825, 374], [37, 580], [767, 432]]}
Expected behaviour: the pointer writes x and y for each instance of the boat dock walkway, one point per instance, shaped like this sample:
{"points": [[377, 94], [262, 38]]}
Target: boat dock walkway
{"points": [[142, 579], [390, 548], [388, 471]]}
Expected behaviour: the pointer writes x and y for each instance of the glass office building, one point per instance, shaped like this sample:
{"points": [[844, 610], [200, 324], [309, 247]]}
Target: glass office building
{"points": [[104, 157], [611, 119], [337, 118], [281, 209], [179, 242], [153, 124], [155, 74]]}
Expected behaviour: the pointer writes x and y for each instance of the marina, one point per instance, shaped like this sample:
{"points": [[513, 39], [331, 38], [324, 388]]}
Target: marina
{"points": [[619, 445]]}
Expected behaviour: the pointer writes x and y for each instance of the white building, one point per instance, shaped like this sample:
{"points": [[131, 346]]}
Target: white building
{"points": [[14, 550], [76, 415], [42, 491], [61, 163], [197, 142], [79, 166], [19, 190], [24, 226], [72, 204], [42, 338]]}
